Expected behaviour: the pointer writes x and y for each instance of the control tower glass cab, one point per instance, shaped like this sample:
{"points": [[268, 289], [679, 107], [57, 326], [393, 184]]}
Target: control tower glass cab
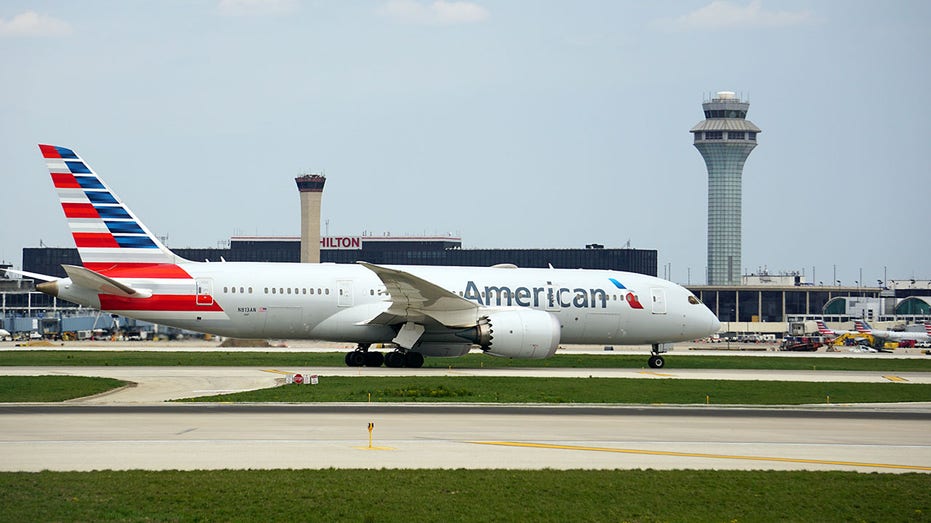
{"points": [[724, 138]]}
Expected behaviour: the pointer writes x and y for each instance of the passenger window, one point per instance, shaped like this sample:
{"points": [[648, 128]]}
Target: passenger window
{"points": [[240, 290], [224, 290], [250, 290], [328, 292], [273, 290], [304, 290], [289, 290]]}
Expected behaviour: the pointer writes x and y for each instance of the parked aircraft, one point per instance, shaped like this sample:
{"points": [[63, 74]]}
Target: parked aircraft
{"points": [[864, 327], [831, 333], [422, 310]]}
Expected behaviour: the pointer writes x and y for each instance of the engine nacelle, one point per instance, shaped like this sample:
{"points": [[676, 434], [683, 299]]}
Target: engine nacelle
{"points": [[443, 349], [518, 333]]}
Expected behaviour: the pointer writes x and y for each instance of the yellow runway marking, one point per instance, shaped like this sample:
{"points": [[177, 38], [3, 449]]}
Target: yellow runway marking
{"points": [[702, 455], [648, 373], [895, 378], [275, 371], [374, 448]]}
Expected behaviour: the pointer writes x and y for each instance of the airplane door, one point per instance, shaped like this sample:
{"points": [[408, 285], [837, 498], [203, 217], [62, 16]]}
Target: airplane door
{"points": [[550, 298], [659, 301], [344, 293], [204, 295]]}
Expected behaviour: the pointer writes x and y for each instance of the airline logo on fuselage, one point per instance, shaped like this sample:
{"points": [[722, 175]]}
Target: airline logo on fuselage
{"points": [[548, 296]]}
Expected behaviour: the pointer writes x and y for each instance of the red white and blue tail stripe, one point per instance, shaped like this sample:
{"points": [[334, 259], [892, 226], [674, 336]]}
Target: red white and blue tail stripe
{"points": [[862, 327], [125, 266], [105, 231], [823, 329]]}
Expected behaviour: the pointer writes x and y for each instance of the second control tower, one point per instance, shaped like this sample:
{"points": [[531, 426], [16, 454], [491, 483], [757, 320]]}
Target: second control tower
{"points": [[724, 138], [311, 189]]}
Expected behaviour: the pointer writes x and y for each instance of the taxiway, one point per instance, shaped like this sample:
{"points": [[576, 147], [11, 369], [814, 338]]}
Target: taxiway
{"points": [[133, 428]]}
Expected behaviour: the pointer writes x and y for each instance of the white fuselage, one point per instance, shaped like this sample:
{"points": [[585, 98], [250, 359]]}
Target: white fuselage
{"points": [[337, 301]]}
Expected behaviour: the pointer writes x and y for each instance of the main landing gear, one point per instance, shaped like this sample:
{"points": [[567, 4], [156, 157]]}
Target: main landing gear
{"points": [[363, 357]]}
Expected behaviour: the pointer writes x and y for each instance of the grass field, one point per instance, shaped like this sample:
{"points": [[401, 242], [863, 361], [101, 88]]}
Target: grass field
{"points": [[463, 495], [335, 359], [481, 389], [52, 388]]}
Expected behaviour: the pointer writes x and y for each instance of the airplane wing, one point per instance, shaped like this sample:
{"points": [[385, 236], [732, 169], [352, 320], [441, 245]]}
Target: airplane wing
{"points": [[413, 299]]}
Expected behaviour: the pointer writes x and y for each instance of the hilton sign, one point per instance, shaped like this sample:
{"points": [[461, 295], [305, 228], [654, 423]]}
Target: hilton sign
{"points": [[341, 242]]}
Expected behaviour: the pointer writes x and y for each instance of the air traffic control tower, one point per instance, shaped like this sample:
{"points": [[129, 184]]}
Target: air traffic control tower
{"points": [[724, 138], [311, 189]]}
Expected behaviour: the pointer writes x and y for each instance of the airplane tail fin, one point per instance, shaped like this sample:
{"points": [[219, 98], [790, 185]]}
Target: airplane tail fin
{"points": [[862, 326], [106, 232], [823, 329]]}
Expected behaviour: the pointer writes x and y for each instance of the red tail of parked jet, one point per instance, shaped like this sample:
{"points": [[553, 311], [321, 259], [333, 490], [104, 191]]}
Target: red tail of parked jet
{"points": [[824, 330]]}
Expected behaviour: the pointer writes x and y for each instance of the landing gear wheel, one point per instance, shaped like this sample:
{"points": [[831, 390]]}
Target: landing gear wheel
{"points": [[394, 359], [413, 360], [355, 358], [374, 358], [657, 362]]}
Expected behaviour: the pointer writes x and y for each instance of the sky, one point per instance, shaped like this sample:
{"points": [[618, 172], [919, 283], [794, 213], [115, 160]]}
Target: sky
{"points": [[510, 124]]}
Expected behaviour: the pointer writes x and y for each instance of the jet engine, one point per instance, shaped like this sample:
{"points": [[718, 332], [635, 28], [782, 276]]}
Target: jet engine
{"points": [[443, 349], [516, 333]]}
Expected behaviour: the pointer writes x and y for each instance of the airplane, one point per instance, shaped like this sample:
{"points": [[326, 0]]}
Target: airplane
{"points": [[862, 341], [831, 333], [864, 327], [432, 311]]}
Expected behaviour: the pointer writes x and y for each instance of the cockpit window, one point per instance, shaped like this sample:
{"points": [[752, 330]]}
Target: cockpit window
{"points": [[693, 300]]}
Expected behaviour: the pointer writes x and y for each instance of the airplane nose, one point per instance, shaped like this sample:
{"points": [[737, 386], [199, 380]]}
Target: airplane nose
{"points": [[715, 323]]}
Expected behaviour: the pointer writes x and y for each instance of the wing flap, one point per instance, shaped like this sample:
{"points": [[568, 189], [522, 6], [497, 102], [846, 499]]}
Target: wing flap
{"points": [[414, 299]]}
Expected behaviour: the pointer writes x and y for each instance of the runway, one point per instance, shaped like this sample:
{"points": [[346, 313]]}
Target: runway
{"points": [[134, 428], [187, 437]]}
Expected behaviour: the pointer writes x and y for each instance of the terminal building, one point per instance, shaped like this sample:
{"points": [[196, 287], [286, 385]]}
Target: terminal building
{"points": [[387, 250]]}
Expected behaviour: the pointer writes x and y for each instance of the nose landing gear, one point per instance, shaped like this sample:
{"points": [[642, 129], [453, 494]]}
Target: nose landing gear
{"points": [[656, 361]]}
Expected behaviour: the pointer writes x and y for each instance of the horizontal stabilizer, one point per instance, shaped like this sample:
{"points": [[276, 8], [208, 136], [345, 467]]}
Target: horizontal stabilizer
{"points": [[414, 298], [33, 275], [95, 281]]}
